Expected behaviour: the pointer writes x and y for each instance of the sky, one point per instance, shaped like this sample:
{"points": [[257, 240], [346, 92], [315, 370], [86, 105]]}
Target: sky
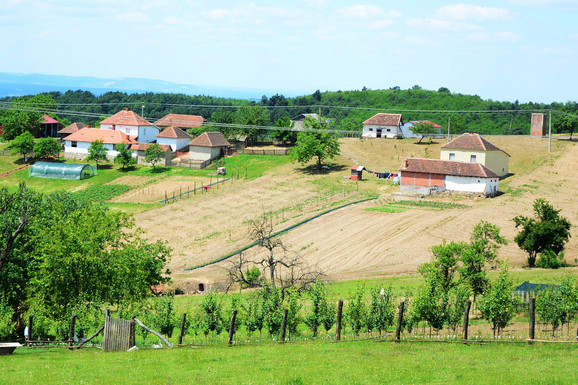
{"points": [[507, 50]]}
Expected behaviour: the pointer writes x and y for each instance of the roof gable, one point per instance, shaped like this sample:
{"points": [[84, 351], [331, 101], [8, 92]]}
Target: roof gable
{"points": [[126, 118], [106, 136], [381, 119], [210, 139], [180, 120], [48, 120], [71, 129], [447, 167], [472, 142], [173, 133]]}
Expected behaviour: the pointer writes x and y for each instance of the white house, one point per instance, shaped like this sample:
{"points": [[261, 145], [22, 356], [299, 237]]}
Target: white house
{"points": [[208, 146], [76, 145], [139, 151], [174, 137], [407, 131], [131, 124], [382, 126], [426, 175]]}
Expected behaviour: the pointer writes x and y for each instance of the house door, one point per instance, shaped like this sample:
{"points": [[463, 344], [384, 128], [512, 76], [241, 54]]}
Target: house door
{"points": [[378, 132]]}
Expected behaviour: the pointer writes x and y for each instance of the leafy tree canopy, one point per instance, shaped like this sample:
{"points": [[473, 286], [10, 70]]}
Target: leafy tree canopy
{"points": [[97, 152], [22, 144], [46, 147], [319, 144], [124, 157], [154, 154]]}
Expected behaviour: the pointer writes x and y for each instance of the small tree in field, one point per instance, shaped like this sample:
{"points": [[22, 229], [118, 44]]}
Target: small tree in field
{"points": [[319, 144], [124, 156], [154, 154], [22, 144], [96, 152], [46, 147]]}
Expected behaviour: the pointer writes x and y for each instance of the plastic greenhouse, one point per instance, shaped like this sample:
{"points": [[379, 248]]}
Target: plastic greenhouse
{"points": [[61, 170]]}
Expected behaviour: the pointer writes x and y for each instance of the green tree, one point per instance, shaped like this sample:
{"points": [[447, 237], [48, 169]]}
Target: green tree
{"points": [[319, 144], [382, 308], [547, 231], [285, 136], [251, 116], [22, 144], [164, 318], [319, 307], [272, 309], [558, 305], [254, 316], [497, 304], [356, 311], [424, 129], [567, 123], [45, 147], [431, 304], [124, 156], [24, 115], [154, 154], [212, 320], [97, 152], [293, 308]]}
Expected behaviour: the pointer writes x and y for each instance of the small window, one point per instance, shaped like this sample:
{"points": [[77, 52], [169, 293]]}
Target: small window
{"points": [[472, 158], [389, 130], [452, 156], [73, 144]]}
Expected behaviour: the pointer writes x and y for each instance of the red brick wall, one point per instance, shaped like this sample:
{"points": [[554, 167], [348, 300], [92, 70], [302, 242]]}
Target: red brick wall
{"points": [[539, 123], [422, 179]]}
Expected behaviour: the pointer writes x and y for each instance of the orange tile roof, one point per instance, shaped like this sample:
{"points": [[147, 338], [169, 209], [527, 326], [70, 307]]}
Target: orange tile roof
{"points": [[382, 119], [71, 129], [107, 136], [180, 120], [447, 167], [144, 146], [127, 118], [472, 142], [173, 133], [210, 139]]}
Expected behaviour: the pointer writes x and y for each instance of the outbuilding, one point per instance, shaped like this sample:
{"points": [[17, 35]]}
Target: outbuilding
{"points": [[61, 170], [208, 146], [357, 172]]}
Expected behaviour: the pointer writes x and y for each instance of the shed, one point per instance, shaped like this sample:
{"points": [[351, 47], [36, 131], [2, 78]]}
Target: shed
{"points": [[61, 170], [527, 290], [357, 172]]}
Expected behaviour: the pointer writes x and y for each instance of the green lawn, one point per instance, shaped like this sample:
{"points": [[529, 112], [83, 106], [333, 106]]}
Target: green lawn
{"points": [[359, 362]]}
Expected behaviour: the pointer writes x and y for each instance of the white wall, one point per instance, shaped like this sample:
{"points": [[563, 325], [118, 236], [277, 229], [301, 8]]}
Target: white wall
{"points": [[203, 153], [370, 131], [81, 150], [145, 134], [488, 186], [175, 143]]}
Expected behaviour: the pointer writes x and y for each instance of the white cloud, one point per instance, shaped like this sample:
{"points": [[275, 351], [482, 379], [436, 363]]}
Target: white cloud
{"points": [[444, 25], [218, 14], [543, 3], [370, 16], [472, 12], [495, 36], [134, 17]]}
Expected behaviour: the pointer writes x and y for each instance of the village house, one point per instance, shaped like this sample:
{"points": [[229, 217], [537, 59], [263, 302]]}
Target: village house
{"points": [[208, 146], [426, 175], [131, 124], [76, 145], [473, 148], [174, 137], [383, 126], [407, 131], [139, 149], [298, 121], [184, 122], [71, 129], [49, 127]]}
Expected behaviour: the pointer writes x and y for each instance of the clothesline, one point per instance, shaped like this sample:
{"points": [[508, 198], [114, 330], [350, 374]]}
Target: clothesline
{"points": [[383, 175]]}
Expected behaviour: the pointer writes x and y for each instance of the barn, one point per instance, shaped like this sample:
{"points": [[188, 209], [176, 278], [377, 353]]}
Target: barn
{"points": [[427, 175]]}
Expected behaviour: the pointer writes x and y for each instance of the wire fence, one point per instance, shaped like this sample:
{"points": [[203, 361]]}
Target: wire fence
{"points": [[269, 151], [203, 188]]}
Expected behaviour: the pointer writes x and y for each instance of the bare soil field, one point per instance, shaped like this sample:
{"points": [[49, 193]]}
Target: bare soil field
{"points": [[352, 243]]}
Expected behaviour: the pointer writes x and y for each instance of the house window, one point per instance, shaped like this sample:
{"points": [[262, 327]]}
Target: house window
{"points": [[389, 130], [472, 158], [73, 144], [452, 156]]}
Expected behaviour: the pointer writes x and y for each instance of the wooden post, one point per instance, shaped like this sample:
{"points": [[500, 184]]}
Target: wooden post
{"points": [[532, 317], [338, 323], [71, 331], [30, 319], [284, 325], [466, 319], [107, 313], [232, 327], [210, 180], [166, 198], [399, 322], [182, 333], [132, 331], [195, 189]]}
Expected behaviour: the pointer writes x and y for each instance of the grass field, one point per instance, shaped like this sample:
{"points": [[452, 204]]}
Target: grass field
{"points": [[359, 362]]}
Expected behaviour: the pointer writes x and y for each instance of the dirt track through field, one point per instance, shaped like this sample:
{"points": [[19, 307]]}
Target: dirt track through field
{"points": [[350, 243]]}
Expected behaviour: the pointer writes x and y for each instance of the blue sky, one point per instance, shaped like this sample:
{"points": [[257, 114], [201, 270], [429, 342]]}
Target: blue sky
{"points": [[500, 50]]}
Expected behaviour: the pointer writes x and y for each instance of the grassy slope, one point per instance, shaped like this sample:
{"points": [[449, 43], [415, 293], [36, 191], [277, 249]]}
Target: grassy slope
{"points": [[363, 362]]}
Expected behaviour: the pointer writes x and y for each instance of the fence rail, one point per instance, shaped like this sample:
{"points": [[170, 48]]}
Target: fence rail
{"points": [[195, 165], [5, 152], [202, 188], [274, 151]]}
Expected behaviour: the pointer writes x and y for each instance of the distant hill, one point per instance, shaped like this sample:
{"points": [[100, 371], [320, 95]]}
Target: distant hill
{"points": [[30, 84]]}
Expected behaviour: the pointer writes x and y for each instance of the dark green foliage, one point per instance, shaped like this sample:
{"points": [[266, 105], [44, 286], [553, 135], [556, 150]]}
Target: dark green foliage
{"points": [[163, 317], [547, 231], [24, 115], [22, 144], [321, 145], [558, 305], [381, 310], [254, 317], [124, 156], [321, 314], [102, 192], [356, 311], [154, 154], [549, 260], [272, 309], [96, 152], [46, 147], [212, 320]]}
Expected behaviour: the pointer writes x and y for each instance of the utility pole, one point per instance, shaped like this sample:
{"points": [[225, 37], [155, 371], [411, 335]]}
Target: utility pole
{"points": [[142, 111], [550, 131], [449, 122]]}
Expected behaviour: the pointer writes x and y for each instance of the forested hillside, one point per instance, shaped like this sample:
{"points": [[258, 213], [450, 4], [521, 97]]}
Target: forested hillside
{"points": [[346, 109]]}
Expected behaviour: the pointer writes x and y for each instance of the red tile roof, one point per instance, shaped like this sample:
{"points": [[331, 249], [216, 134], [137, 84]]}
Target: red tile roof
{"points": [[382, 119], [179, 120], [173, 133], [107, 136], [472, 142], [210, 139], [48, 120], [144, 146], [447, 167], [127, 118], [71, 129], [426, 122]]}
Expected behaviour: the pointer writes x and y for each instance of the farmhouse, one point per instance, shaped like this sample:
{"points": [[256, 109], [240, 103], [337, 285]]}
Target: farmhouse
{"points": [[76, 145], [70, 129], [407, 131], [184, 122], [139, 149], [383, 126], [473, 148], [49, 127], [174, 137], [298, 121], [426, 175], [208, 146], [131, 124]]}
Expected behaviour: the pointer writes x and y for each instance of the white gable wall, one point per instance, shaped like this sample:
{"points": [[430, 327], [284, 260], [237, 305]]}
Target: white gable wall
{"points": [[144, 134], [204, 153], [371, 131], [488, 186], [175, 143]]}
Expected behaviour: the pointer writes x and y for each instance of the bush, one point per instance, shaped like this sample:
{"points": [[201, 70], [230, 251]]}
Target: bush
{"points": [[549, 260]]}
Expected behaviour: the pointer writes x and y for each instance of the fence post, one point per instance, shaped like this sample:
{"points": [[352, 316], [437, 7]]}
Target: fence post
{"points": [[338, 323], [132, 331], [182, 333], [466, 319], [399, 322], [284, 325], [71, 331], [30, 318], [232, 327], [532, 317]]}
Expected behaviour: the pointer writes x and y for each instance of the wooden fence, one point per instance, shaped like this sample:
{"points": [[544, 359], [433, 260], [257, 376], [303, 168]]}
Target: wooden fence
{"points": [[117, 335], [273, 151]]}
